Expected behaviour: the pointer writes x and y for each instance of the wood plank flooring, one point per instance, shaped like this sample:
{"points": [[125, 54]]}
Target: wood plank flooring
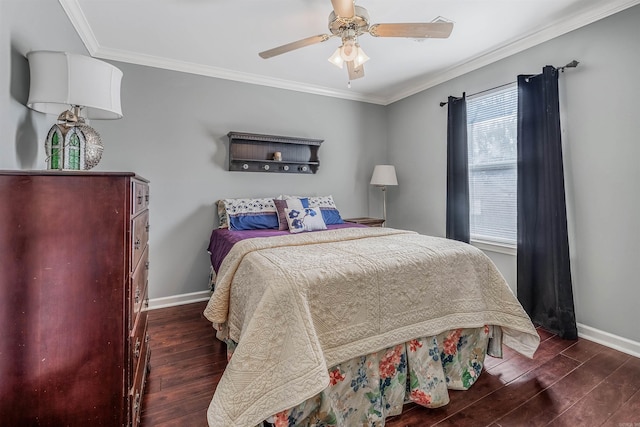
{"points": [[568, 383]]}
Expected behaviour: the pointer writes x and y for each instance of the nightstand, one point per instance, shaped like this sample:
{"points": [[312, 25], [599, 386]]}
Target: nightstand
{"points": [[371, 222]]}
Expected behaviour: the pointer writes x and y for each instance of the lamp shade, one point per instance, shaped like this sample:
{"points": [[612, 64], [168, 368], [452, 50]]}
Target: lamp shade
{"points": [[384, 175], [336, 58], [60, 80]]}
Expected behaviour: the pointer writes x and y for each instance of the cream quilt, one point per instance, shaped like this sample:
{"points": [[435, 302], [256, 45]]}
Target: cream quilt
{"points": [[299, 304]]}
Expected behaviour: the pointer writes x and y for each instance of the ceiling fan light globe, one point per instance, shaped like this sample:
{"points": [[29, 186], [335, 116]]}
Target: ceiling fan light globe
{"points": [[361, 57], [336, 58]]}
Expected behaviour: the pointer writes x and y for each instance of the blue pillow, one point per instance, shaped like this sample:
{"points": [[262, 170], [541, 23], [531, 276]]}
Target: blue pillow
{"points": [[331, 216], [251, 214], [327, 206]]}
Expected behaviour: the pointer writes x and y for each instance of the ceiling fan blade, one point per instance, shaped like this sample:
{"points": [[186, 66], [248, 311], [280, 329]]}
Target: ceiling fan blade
{"points": [[436, 30], [355, 72], [343, 8], [294, 45]]}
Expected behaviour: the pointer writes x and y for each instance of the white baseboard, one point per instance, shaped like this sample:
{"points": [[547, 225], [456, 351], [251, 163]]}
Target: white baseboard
{"points": [[172, 301], [624, 345], [587, 332]]}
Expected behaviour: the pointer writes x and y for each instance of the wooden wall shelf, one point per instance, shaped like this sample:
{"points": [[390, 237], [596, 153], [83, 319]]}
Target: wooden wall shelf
{"points": [[250, 152]]}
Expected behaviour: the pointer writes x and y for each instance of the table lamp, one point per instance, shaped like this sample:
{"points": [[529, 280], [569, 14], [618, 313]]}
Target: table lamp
{"points": [[74, 87]]}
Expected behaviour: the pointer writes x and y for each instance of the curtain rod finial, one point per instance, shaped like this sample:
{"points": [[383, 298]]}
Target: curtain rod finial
{"points": [[572, 64]]}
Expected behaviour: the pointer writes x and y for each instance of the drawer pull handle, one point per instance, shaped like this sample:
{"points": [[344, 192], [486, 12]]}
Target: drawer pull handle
{"points": [[136, 352], [136, 245], [146, 198], [140, 199], [146, 265], [137, 294], [146, 338], [147, 228]]}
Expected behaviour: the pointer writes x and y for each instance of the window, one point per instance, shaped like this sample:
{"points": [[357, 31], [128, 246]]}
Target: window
{"points": [[492, 133]]}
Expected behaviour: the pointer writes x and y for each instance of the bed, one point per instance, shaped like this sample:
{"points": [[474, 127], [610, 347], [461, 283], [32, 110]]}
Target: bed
{"points": [[343, 324]]}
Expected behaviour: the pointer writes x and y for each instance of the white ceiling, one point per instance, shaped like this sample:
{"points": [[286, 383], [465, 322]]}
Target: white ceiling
{"points": [[222, 38]]}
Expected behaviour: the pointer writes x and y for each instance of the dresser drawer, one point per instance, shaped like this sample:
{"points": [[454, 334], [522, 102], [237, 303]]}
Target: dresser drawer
{"points": [[138, 340], [140, 197], [137, 389], [138, 293], [139, 237]]}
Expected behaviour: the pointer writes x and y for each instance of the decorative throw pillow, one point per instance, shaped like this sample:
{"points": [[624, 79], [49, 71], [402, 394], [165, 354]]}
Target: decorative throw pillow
{"points": [[251, 214], [291, 203], [307, 219]]}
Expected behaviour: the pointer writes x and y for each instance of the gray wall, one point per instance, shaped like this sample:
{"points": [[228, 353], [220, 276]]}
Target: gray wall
{"points": [[174, 134], [600, 128]]}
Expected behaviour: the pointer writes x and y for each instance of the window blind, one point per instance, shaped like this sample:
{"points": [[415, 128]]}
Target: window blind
{"points": [[492, 151]]}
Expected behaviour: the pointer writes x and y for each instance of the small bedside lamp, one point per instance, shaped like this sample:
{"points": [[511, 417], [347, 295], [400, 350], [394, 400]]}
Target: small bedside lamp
{"points": [[384, 175], [74, 87]]}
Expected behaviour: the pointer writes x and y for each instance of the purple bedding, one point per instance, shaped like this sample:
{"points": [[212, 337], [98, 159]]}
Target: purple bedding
{"points": [[222, 239]]}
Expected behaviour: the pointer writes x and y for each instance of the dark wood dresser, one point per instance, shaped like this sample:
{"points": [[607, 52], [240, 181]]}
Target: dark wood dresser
{"points": [[73, 296]]}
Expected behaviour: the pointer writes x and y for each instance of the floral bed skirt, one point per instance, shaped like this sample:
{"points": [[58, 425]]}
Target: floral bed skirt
{"points": [[365, 390]]}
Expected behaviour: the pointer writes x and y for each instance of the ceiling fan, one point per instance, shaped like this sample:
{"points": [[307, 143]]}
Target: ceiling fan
{"points": [[348, 22]]}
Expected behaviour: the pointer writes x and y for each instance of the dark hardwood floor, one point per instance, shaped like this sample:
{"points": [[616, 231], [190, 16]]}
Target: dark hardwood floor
{"points": [[568, 383]]}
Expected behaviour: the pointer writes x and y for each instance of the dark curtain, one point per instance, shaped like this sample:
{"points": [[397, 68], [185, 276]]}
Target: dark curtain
{"points": [[544, 275], [457, 171]]}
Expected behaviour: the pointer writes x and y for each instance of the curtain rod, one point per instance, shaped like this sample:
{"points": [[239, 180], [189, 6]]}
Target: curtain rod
{"points": [[572, 64]]}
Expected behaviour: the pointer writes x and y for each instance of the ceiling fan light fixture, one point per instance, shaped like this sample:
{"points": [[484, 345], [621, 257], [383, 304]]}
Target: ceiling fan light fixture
{"points": [[336, 58], [361, 57]]}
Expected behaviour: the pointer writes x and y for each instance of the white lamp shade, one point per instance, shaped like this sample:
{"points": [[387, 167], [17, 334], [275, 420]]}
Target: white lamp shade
{"points": [[361, 57], [384, 175], [336, 58], [60, 80]]}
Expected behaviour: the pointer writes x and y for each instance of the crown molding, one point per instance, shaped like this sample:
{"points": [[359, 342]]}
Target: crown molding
{"points": [[601, 10], [227, 74], [80, 23]]}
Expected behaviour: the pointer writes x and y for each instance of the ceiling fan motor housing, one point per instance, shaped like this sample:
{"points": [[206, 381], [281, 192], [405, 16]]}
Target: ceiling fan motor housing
{"points": [[359, 22]]}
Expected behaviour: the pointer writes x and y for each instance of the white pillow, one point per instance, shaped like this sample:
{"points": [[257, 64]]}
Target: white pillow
{"points": [[307, 219]]}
